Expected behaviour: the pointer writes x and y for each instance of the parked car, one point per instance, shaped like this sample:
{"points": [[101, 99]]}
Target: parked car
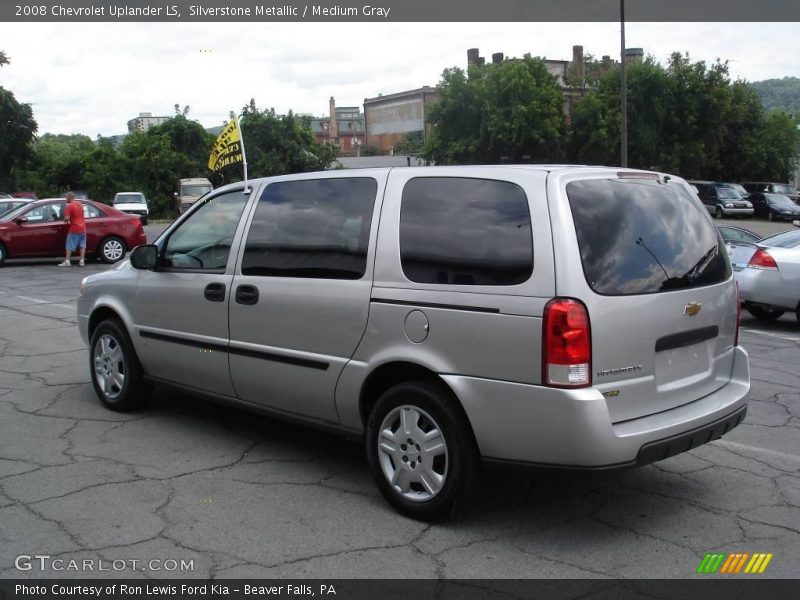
{"points": [[737, 234], [9, 204], [4, 196], [769, 275], [133, 203], [601, 333], [27, 195], [774, 207], [721, 200], [36, 230], [763, 187]]}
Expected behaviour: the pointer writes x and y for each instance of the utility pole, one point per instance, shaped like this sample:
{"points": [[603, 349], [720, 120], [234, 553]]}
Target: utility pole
{"points": [[623, 92]]}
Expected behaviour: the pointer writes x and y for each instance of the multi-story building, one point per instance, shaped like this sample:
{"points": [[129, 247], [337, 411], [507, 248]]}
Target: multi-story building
{"points": [[392, 117], [344, 126], [144, 122]]}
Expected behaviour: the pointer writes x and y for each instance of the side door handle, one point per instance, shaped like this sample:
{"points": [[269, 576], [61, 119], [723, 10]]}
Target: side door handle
{"points": [[247, 294], [215, 292]]}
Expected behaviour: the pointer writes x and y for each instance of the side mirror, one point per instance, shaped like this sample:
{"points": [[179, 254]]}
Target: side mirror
{"points": [[144, 257], [21, 220]]}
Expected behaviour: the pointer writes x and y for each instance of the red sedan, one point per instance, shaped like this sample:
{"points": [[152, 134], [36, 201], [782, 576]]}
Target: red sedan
{"points": [[37, 230]]}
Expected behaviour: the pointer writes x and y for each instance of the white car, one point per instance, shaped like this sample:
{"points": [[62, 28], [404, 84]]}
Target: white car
{"points": [[133, 203], [768, 273]]}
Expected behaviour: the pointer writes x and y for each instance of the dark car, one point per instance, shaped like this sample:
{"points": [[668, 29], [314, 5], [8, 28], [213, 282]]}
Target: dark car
{"points": [[37, 230], [737, 235], [774, 207], [722, 200], [766, 187]]}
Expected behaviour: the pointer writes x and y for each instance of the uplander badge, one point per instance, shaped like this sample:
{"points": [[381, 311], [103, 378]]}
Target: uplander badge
{"points": [[630, 369]]}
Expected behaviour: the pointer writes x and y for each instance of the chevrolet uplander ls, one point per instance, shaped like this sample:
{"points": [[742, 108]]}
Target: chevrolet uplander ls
{"points": [[572, 317]]}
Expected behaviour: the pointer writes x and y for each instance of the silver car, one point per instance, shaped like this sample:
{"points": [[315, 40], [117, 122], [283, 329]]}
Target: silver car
{"points": [[569, 317], [768, 273]]}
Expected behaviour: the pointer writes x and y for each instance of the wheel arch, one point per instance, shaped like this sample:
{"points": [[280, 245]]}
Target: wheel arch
{"points": [[393, 373]]}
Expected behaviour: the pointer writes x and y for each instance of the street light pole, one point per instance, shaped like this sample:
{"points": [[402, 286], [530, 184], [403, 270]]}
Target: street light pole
{"points": [[623, 92]]}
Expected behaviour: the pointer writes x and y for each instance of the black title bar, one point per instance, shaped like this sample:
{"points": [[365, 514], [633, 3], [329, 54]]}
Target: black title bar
{"points": [[397, 10]]}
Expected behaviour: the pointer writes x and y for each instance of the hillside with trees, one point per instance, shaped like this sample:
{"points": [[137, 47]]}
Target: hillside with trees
{"points": [[781, 94]]}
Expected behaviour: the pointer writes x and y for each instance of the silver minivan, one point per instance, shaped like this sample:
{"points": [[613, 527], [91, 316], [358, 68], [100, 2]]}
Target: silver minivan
{"points": [[570, 317]]}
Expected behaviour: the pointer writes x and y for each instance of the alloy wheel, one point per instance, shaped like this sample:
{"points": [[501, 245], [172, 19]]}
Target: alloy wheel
{"points": [[109, 366], [412, 452]]}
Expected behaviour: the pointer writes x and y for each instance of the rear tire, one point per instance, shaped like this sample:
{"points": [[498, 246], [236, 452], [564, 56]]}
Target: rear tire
{"points": [[115, 369], [770, 216], [763, 313], [421, 451], [111, 249], [3, 254]]}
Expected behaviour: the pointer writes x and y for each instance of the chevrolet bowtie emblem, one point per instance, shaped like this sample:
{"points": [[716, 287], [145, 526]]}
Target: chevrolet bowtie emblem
{"points": [[692, 309]]}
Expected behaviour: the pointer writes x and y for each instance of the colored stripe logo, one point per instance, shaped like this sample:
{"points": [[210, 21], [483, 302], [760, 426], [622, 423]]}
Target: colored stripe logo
{"points": [[734, 563]]}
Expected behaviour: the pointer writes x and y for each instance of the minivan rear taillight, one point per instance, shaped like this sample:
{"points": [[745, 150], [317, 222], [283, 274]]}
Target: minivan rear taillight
{"points": [[762, 260], [566, 344]]}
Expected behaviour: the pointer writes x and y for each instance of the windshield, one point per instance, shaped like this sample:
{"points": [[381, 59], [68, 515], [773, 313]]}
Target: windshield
{"points": [[195, 190], [644, 237], [780, 188], [729, 192], [129, 199], [12, 214], [780, 201]]}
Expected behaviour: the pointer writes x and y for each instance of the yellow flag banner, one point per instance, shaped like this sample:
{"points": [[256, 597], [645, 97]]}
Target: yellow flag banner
{"points": [[227, 150]]}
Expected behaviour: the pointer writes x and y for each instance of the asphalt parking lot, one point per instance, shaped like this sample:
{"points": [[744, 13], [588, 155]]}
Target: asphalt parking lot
{"points": [[238, 495]]}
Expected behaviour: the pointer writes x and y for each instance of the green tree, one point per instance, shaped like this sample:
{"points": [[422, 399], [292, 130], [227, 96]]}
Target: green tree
{"points": [[157, 158], [17, 131], [685, 118], [278, 144], [412, 144], [57, 164], [511, 111]]}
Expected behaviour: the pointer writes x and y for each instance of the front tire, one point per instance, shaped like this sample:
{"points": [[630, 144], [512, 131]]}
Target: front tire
{"points": [[115, 369], [111, 249], [3, 254], [421, 451], [764, 313], [718, 213]]}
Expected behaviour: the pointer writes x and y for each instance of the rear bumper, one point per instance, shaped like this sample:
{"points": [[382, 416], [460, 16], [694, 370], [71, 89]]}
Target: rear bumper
{"points": [[765, 287], [549, 427]]}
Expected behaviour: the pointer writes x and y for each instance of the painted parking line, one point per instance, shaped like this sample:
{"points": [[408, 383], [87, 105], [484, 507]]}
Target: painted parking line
{"points": [[38, 301], [772, 334], [756, 449]]}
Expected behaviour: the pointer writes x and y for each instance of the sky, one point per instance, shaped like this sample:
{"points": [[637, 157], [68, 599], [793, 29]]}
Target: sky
{"points": [[91, 78]]}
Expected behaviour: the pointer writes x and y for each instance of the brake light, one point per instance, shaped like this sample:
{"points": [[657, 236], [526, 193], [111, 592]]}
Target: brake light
{"points": [[566, 344], [762, 260], [738, 314]]}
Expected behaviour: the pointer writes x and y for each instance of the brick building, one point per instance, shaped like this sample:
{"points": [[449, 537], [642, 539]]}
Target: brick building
{"points": [[390, 118], [344, 126]]}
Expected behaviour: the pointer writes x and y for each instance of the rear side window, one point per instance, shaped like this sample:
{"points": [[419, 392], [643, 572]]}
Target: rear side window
{"points": [[644, 237], [462, 231], [317, 228]]}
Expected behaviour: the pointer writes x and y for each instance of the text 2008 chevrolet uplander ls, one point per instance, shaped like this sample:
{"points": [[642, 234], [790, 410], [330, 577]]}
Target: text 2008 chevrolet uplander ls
{"points": [[559, 316]]}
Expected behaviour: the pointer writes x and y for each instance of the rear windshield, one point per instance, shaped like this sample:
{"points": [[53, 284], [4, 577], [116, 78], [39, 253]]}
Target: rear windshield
{"points": [[642, 237], [787, 239]]}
